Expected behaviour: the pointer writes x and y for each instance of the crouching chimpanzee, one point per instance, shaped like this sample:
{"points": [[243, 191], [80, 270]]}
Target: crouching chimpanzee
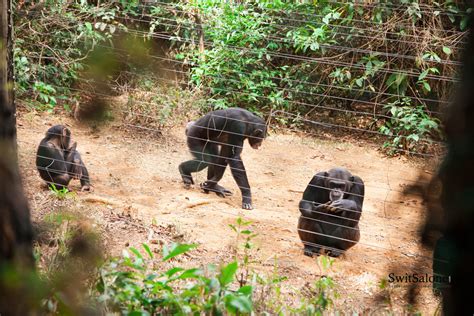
{"points": [[58, 161], [216, 140], [330, 212]]}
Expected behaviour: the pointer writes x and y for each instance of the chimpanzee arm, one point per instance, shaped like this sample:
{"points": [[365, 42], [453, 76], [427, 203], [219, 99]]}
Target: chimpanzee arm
{"points": [[356, 196], [351, 205], [85, 180], [315, 195], [76, 167], [233, 152], [357, 191], [81, 170]]}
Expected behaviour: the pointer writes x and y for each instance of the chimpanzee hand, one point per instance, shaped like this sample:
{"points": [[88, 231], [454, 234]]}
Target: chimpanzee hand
{"points": [[247, 203], [318, 207], [336, 206]]}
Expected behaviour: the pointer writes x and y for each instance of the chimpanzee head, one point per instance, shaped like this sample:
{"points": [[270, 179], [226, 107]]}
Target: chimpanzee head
{"points": [[61, 133], [339, 182], [256, 138]]}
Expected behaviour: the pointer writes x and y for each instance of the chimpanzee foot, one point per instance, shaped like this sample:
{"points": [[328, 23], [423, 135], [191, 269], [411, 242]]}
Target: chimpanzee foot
{"points": [[310, 251], [87, 188], [246, 202], [208, 186], [187, 181], [222, 192], [247, 206], [335, 253]]}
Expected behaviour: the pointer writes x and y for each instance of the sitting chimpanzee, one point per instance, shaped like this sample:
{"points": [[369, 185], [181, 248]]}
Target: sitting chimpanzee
{"points": [[216, 140], [330, 212], [58, 161]]}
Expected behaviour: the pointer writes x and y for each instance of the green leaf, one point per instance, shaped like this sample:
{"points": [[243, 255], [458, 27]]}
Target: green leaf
{"points": [[176, 250], [242, 303], [191, 273], [233, 227], [148, 251], [463, 24], [426, 85], [447, 50], [227, 273], [423, 75], [246, 290], [173, 271], [136, 252]]}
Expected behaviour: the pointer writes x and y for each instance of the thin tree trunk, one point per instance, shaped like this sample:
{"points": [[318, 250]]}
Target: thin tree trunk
{"points": [[200, 32], [16, 256]]}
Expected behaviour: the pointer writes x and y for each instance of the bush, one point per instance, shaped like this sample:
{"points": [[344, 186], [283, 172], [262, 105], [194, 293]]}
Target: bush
{"points": [[411, 128], [132, 286], [145, 285]]}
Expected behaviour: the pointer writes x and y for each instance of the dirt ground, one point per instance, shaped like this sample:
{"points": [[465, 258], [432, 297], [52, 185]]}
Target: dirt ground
{"points": [[138, 195]]}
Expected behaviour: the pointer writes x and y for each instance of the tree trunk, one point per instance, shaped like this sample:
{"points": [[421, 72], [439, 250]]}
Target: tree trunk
{"points": [[16, 256]]}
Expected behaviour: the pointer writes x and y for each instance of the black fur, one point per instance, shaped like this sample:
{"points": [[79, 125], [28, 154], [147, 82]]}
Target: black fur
{"points": [[216, 140], [58, 161], [331, 224]]}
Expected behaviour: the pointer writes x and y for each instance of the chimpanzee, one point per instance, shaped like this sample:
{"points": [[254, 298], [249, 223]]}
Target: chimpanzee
{"points": [[216, 140], [58, 161], [330, 212]]}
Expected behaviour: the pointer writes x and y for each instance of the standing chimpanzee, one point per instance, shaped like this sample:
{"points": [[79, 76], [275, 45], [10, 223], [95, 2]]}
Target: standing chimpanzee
{"points": [[330, 212], [58, 161], [216, 140]]}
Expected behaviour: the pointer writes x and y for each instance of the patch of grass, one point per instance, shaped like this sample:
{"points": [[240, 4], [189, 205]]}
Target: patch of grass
{"points": [[61, 194]]}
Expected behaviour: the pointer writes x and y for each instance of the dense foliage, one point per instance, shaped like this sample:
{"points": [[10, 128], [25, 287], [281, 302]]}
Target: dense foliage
{"points": [[346, 63], [154, 281]]}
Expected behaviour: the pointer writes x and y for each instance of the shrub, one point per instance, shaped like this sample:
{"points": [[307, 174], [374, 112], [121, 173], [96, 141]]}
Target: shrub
{"points": [[410, 127]]}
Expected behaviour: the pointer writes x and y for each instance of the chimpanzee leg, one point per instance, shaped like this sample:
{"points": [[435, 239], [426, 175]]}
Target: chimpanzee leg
{"points": [[60, 181], [216, 172], [203, 151], [54, 171]]}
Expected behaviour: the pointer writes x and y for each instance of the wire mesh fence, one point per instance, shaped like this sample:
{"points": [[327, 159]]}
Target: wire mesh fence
{"points": [[385, 82]]}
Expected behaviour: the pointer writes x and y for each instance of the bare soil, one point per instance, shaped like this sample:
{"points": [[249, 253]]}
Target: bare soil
{"points": [[138, 197]]}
